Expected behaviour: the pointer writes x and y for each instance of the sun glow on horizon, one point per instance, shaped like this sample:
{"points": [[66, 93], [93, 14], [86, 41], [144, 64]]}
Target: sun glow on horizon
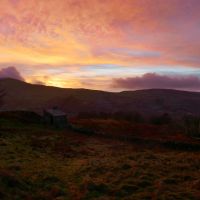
{"points": [[90, 43]]}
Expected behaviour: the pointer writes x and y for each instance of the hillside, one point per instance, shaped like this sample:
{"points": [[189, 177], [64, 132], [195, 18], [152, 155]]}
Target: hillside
{"points": [[21, 95], [39, 163]]}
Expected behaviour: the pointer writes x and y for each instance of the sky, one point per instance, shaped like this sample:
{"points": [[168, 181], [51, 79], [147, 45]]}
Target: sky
{"points": [[110, 45]]}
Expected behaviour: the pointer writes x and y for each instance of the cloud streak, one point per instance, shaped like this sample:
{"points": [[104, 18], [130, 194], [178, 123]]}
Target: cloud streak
{"points": [[153, 80]]}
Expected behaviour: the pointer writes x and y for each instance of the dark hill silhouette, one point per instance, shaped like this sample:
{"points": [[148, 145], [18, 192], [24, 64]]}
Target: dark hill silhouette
{"points": [[25, 96]]}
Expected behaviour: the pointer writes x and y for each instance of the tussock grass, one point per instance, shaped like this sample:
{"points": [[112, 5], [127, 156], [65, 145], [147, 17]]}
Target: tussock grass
{"points": [[39, 163]]}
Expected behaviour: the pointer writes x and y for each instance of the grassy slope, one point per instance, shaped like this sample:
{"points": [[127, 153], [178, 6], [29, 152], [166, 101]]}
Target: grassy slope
{"points": [[39, 163], [21, 95]]}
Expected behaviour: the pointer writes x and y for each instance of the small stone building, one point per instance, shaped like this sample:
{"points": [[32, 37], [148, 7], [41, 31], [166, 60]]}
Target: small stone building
{"points": [[55, 117]]}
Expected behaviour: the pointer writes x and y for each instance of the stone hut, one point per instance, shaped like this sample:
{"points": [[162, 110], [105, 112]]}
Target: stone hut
{"points": [[55, 117]]}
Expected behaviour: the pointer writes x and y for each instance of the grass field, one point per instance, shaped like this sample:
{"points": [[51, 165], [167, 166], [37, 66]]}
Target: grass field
{"points": [[38, 163]]}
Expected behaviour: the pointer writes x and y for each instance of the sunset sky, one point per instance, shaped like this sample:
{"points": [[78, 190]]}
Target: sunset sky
{"points": [[111, 45]]}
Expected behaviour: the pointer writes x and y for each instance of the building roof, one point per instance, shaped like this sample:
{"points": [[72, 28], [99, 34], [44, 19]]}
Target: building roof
{"points": [[55, 112]]}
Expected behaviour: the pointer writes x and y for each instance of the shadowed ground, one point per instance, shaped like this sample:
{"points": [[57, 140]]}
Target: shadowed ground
{"points": [[40, 163]]}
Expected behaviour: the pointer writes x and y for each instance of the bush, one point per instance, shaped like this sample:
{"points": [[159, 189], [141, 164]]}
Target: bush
{"points": [[96, 190], [192, 126], [162, 119], [132, 116]]}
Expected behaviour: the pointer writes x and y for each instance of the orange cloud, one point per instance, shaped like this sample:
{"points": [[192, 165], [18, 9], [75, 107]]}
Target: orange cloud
{"points": [[92, 32]]}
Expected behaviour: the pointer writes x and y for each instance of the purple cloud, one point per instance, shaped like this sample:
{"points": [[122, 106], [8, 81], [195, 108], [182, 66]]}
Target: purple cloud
{"points": [[153, 80], [11, 72]]}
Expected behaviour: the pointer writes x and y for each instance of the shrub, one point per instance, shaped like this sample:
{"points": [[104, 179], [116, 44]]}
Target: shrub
{"points": [[132, 116], [126, 166], [162, 119], [97, 190], [127, 190], [192, 125]]}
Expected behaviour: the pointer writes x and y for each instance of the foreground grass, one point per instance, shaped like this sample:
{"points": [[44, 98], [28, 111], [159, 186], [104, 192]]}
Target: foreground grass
{"points": [[39, 163]]}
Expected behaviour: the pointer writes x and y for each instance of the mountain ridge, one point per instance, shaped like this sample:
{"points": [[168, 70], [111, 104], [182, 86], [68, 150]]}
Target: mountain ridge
{"points": [[21, 95]]}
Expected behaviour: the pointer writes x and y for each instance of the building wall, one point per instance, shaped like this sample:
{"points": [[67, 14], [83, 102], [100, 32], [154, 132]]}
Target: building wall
{"points": [[56, 121]]}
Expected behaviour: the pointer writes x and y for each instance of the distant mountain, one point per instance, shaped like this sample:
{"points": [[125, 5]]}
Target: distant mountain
{"points": [[25, 96]]}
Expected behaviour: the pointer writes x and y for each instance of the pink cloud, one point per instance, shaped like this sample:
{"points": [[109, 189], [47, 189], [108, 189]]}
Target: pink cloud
{"points": [[134, 33], [11, 72], [153, 80], [15, 2]]}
